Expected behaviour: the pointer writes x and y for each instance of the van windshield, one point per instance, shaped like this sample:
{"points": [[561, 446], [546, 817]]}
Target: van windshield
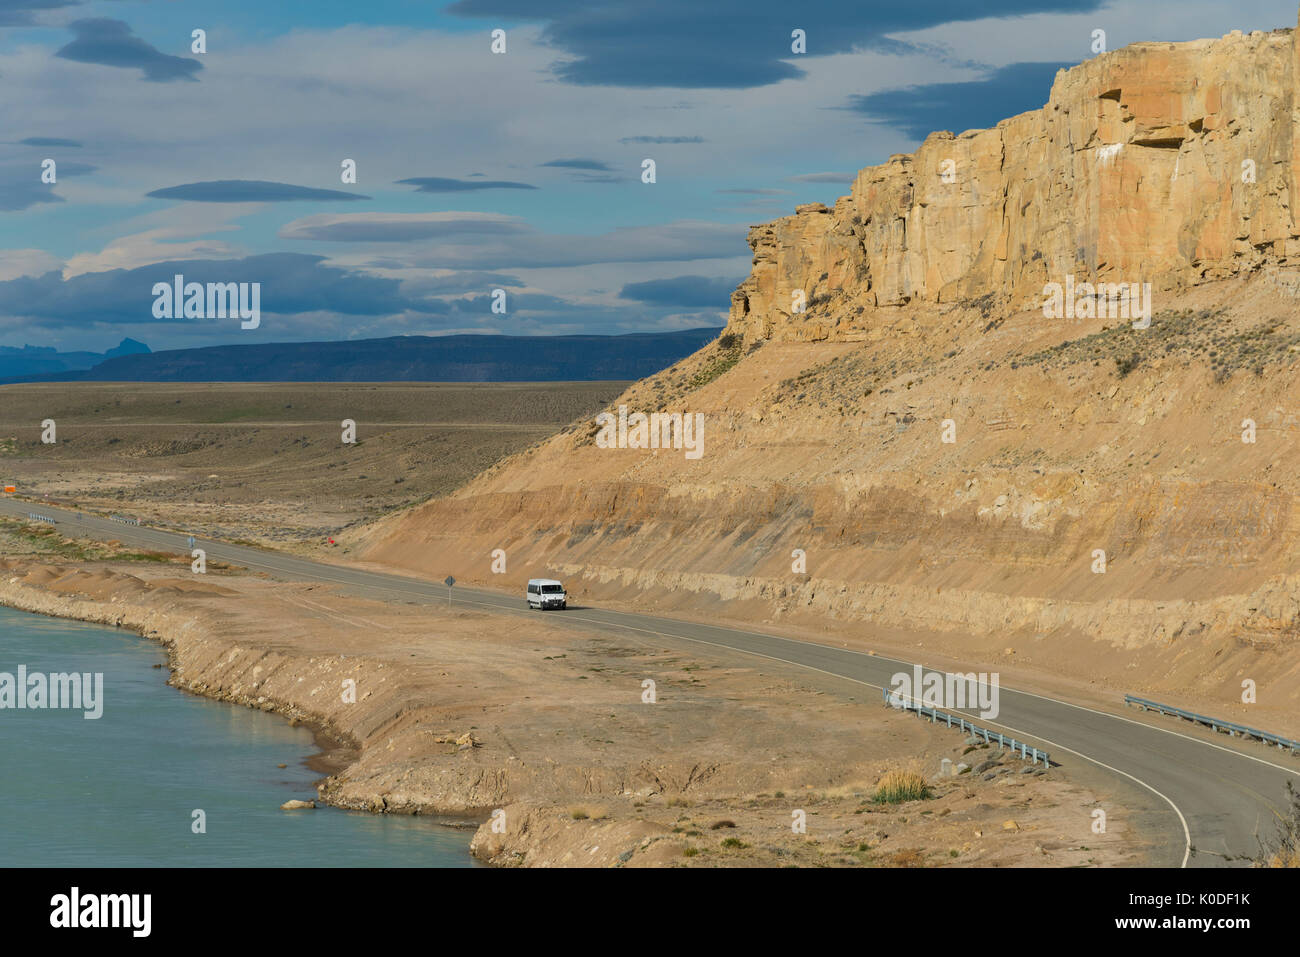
{"points": [[552, 589]]}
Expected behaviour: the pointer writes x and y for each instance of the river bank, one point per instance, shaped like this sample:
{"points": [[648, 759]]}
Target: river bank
{"points": [[544, 737]]}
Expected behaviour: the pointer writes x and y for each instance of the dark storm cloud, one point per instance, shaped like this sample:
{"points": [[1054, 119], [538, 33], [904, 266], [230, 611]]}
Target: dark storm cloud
{"points": [[823, 178], [50, 141], [920, 110], [291, 283], [248, 191], [682, 291], [21, 188], [111, 43], [440, 184], [728, 43], [587, 164]]}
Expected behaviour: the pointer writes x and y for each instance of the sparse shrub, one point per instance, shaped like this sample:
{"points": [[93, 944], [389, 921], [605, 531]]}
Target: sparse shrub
{"points": [[690, 852], [578, 814], [734, 842], [1126, 365], [899, 786], [1284, 849], [719, 825], [912, 857]]}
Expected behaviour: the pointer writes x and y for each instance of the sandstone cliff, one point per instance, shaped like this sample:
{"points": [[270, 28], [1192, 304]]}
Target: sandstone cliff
{"points": [[1168, 163]]}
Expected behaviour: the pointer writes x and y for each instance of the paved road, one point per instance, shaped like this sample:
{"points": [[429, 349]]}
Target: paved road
{"points": [[1214, 796]]}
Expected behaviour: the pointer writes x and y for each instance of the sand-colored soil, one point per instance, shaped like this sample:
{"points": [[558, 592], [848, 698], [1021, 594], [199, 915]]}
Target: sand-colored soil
{"points": [[265, 462]]}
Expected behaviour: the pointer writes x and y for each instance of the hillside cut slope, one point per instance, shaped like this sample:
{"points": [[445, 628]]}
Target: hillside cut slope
{"points": [[921, 460]]}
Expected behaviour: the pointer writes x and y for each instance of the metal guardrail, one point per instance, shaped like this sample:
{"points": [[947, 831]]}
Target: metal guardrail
{"points": [[124, 520], [40, 518], [1217, 724], [957, 721]]}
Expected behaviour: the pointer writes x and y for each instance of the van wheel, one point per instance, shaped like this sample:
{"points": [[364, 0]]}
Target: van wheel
{"points": [[563, 605]]}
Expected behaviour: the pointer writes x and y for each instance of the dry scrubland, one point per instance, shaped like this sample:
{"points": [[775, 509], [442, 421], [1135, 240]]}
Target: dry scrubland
{"points": [[264, 462], [459, 713]]}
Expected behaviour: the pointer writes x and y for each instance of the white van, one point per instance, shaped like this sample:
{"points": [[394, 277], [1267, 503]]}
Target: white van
{"points": [[546, 593]]}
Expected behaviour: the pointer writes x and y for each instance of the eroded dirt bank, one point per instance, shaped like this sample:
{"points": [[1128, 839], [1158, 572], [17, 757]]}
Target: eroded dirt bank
{"points": [[544, 731]]}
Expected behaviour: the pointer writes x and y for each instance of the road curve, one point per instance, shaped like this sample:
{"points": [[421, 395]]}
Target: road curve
{"points": [[1217, 798]]}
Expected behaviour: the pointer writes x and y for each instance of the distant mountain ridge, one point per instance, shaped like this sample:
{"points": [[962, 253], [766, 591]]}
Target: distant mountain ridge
{"points": [[36, 360], [456, 358]]}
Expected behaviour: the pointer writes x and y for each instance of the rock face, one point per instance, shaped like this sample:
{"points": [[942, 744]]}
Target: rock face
{"points": [[1167, 163]]}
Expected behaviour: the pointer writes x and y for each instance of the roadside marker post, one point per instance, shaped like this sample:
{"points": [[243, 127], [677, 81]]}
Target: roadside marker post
{"points": [[449, 582]]}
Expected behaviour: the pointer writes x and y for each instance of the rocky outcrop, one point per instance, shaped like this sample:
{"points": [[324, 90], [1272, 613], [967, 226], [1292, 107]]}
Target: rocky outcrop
{"points": [[1167, 163]]}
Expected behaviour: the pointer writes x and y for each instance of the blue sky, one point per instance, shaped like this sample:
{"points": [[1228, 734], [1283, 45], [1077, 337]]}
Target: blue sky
{"points": [[476, 170]]}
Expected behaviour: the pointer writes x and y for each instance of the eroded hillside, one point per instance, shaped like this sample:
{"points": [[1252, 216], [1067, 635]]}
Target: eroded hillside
{"points": [[825, 429]]}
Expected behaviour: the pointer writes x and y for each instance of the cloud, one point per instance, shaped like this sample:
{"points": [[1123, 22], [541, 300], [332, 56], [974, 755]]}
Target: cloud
{"points": [[459, 283], [401, 227], [823, 178], [697, 291], [661, 139], [248, 191], [439, 184], [956, 107], [130, 252], [587, 164], [292, 283], [26, 262], [756, 192], [21, 13], [494, 241], [110, 43], [729, 43], [50, 141], [21, 187]]}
